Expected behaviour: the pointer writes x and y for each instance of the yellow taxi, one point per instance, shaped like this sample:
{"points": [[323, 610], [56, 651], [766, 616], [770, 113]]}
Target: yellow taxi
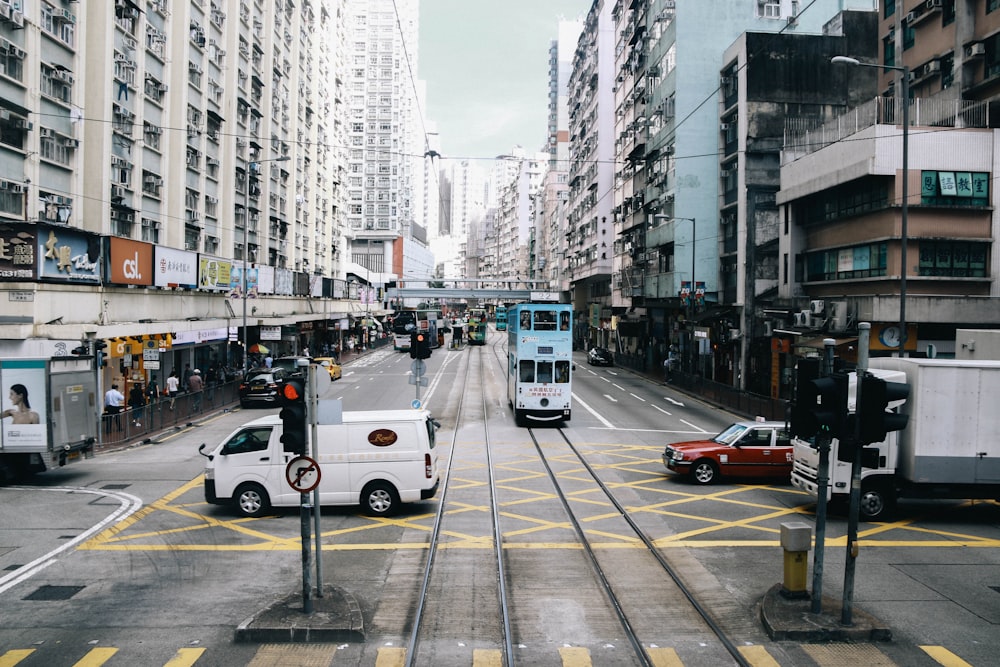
{"points": [[330, 364]]}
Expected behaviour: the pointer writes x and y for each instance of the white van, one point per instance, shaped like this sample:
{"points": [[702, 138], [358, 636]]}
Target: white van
{"points": [[378, 459]]}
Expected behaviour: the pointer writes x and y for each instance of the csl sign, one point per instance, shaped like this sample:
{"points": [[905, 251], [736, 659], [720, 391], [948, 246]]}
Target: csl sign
{"points": [[130, 262]]}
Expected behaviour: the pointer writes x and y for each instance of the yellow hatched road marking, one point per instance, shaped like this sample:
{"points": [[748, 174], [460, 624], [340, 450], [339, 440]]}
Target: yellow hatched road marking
{"points": [[664, 657], [483, 657], [185, 657], [11, 658], [574, 656], [758, 656], [390, 657], [96, 657], [944, 656]]}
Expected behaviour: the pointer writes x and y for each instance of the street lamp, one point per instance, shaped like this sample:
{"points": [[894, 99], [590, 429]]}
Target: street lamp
{"points": [[252, 165], [904, 209], [691, 297]]}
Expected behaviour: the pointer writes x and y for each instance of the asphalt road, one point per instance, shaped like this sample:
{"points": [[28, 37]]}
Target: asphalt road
{"points": [[118, 557]]}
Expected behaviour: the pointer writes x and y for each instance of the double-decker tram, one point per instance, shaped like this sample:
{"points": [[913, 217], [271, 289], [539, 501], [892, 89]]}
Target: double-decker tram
{"points": [[501, 318], [477, 326], [539, 362]]}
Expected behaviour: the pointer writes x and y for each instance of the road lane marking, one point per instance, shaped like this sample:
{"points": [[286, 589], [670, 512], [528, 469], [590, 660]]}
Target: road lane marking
{"points": [[675, 402], [945, 657], [611, 398], [129, 506], [11, 658], [639, 397]]}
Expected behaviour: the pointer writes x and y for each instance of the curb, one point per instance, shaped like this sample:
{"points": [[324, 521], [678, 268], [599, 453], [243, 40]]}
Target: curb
{"points": [[336, 617]]}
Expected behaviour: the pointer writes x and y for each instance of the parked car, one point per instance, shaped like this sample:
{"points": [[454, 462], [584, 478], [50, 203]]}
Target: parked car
{"points": [[600, 356], [331, 365], [261, 388], [754, 449]]}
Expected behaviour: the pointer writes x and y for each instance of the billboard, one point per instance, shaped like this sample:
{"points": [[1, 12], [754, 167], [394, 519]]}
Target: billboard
{"points": [[18, 252], [23, 401]]}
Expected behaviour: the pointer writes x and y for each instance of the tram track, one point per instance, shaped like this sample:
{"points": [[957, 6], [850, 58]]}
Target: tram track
{"points": [[522, 595]]}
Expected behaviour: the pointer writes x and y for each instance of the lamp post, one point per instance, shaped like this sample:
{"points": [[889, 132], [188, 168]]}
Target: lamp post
{"points": [[251, 166], [904, 208], [691, 297]]}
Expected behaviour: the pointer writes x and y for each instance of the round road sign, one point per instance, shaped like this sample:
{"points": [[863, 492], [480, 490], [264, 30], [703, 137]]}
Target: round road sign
{"points": [[415, 404], [303, 474]]}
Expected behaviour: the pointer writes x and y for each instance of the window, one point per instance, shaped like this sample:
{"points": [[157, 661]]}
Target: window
{"points": [[889, 8], [953, 259], [11, 60], [526, 370], [850, 263]]}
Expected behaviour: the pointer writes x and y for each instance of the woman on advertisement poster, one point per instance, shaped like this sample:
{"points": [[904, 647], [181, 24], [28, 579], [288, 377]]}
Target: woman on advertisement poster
{"points": [[20, 412]]}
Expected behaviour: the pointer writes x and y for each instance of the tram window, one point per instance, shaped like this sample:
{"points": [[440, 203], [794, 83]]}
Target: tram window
{"points": [[544, 371], [527, 370], [562, 372], [526, 320], [545, 320], [564, 321]]}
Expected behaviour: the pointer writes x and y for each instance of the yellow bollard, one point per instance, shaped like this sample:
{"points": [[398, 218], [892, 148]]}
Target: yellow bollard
{"points": [[796, 538]]}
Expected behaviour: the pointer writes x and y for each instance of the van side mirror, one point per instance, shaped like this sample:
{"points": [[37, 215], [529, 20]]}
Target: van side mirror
{"points": [[201, 450]]}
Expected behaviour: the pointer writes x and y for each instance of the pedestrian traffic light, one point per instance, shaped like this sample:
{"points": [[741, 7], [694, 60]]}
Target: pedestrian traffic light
{"points": [[873, 414], [423, 345], [802, 421], [293, 416]]}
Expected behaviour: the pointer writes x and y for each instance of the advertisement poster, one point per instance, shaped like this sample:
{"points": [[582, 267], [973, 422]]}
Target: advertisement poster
{"points": [[23, 402], [18, 258]]}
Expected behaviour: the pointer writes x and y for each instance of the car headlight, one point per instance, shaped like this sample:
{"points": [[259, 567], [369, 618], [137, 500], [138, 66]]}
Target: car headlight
{"points": [[674, 454]]}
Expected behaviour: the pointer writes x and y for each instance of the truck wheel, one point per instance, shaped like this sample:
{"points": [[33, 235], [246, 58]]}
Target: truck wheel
{"points": [[876, 502], [704, 472], [252, 500], [380, 499]]}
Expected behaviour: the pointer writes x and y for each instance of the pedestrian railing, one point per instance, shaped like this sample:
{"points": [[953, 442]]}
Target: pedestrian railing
{"points": [[136, 425]]}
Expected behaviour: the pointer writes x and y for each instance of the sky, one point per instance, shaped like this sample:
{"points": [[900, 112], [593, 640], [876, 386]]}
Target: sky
{"points": [[485, 64]]}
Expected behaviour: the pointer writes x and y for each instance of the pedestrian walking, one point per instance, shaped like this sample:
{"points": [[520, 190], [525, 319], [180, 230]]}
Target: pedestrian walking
{"points": [[195, 387], [114, 401], [152, 397], [185, 377], [211, 379], [136, 403], [173, 387]]}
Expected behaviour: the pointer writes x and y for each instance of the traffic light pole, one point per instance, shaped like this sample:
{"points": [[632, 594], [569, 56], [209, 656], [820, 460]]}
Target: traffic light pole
{"points": [[822, 483], [851, 556], [312, 392], [307, 603]]}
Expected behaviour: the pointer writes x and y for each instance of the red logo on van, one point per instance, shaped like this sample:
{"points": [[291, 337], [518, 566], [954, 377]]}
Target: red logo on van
{"points": [[382, 437]]}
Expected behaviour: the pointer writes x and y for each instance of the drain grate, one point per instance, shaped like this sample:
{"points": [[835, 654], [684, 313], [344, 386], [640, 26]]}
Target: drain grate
{"points": [[15, 566], [115, 487], [996, 589], [53, 592]]}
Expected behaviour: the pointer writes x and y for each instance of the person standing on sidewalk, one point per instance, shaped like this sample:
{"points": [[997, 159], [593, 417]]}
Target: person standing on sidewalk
{"points": [[152, 397], [114, 400], [195, 387]]}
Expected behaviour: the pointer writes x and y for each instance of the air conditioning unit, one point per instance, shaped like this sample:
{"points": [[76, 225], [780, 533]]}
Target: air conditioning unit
{"points": [[976, 50], [931, 5], [803, 319], [932, 66], [768, 328], [912, 18], [723, 127], [816, 307], [117, 191]]}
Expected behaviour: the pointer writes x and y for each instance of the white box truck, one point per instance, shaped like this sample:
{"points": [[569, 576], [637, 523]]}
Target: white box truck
{"points": [[949, 449], [48, 414], [378, 459]]}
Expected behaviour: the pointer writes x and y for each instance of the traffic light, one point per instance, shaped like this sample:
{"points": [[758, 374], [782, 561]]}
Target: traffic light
{"points": [[820, 404], [876, 395], [413, 345], [802, 422], [81, 349], [293, 416], [831, 412], [423, 345]]}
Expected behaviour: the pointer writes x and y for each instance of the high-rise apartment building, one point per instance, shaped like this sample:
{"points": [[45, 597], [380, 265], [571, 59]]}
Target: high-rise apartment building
{"points": [[171, 148]]}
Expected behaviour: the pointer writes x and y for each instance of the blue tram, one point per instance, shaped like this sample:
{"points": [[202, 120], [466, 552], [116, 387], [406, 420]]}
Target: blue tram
{"points": [[540, 362]]}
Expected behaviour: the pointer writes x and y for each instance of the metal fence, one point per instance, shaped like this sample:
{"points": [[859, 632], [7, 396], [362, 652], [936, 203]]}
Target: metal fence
{"points": [[132, 426]]}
